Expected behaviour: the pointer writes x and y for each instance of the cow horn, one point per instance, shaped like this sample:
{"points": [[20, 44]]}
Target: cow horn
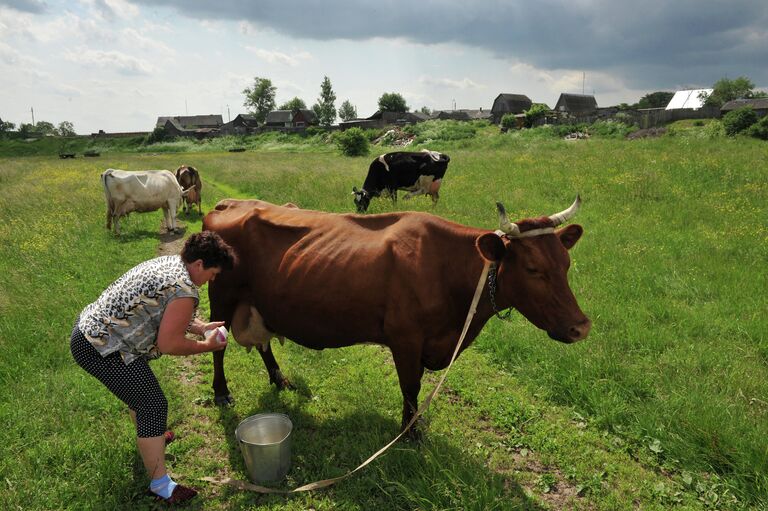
{"points": [[564, 216], [504, 224]]}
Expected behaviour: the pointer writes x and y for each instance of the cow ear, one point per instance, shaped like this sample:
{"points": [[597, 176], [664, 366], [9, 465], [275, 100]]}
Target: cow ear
{"points": [[490, 246], [570, 235]]}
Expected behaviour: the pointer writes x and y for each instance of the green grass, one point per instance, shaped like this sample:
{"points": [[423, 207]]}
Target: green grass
{"points": [[664, 406]]}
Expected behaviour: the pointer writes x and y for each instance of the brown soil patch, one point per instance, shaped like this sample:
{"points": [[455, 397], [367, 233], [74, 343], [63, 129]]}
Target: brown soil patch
{"points": [[171, 243]]}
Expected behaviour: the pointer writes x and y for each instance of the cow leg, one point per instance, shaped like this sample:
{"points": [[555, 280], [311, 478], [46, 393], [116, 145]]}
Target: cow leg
{"points": [[275, 375], [221, 395], [409, 372], [117, 225], [109, 219], [249, 330], [170, 213]]}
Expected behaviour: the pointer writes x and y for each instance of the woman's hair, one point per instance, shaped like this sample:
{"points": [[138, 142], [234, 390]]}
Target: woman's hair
{"points": [[209, 247]]}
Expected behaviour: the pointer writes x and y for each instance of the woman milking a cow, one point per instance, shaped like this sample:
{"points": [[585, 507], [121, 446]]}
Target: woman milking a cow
{"points": [[142, 315]]}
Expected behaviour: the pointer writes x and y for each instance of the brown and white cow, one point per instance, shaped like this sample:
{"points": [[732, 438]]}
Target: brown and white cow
{"points": [[142, 190], [403, 280], [188, 177]]}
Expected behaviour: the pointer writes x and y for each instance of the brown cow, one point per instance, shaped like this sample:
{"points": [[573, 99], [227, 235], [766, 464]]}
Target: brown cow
{"points": [[189, 177], [403, 280]]}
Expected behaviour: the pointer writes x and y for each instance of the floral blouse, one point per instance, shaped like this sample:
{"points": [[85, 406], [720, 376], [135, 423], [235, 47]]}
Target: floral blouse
{"points": [[126, 317]]}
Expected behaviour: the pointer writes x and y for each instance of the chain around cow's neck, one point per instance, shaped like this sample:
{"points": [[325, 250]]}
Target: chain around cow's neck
{"points": [[492, 277]]}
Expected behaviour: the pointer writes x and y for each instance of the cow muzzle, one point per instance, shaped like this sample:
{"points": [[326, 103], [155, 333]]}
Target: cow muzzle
{"points": [[574, 333]]}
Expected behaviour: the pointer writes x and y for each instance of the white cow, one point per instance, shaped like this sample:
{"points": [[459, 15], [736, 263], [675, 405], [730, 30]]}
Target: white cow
{"points": [[142, 190]]}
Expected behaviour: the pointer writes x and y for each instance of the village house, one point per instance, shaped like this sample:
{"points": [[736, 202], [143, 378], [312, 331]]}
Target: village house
{"points": [[509, 104], [240, 125], [190, 125], [290, 119], [577, 105]]}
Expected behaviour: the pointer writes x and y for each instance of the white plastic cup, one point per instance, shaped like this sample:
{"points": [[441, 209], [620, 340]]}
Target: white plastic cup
{"points": [[220, 333]]}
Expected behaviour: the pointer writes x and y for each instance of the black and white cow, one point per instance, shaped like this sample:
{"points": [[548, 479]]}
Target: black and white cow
{"points": [[419, 173]]}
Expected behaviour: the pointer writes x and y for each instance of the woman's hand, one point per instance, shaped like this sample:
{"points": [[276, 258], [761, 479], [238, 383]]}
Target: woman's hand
{"points": [[214, 342], [204, 327]]}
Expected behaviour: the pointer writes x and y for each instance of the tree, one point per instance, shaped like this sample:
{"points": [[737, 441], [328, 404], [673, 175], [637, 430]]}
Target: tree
{"points": [[533, 114], [425, 110], [45, 128], [294, 104], [392, 102], [26, 129], [347, 111], [66, 129], [725, 90], [260, 99], [324, 108], [657, 99], [6, 126]]}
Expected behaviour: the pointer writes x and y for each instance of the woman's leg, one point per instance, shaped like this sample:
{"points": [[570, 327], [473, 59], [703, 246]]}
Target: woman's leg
{"points": [[134, 384]]}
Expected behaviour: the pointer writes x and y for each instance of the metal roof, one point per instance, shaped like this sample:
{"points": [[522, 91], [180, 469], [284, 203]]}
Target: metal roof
{"points": [[688, 99]]}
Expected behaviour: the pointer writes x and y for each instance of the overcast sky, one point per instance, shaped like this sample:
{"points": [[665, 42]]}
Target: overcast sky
{"points": [[117, 65]]}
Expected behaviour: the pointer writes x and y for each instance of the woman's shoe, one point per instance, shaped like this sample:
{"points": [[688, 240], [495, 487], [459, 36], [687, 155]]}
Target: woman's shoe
{"points": [[180, 495]]}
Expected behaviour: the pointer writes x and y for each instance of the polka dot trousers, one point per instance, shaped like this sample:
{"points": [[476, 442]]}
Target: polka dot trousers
{"points": [[134, 384]]}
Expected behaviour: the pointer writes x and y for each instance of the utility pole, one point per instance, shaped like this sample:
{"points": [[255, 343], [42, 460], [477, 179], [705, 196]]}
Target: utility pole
{"points": [[229, 118], [583, 77], [185, 107], [32, 109]]}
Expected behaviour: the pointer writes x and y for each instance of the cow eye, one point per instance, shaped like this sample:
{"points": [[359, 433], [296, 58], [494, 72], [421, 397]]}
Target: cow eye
{"points": [[531, 270]]}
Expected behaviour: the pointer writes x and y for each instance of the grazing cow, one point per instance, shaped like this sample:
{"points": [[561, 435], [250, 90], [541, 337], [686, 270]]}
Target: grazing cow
{"points": [[188, 177], [404, 280], [142, 190], [418, 173]]}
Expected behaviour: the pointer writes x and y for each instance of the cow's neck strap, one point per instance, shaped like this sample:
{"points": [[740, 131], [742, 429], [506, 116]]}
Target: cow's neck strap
{"points": [[244, 485], [493, 276]]}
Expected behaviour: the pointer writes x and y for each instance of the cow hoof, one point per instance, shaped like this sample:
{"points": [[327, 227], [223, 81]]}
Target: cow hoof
{"points": [[284, 384], [414, 435], [227, 400]]}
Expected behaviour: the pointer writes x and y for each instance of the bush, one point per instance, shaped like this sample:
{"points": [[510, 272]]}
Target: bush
{"points": [[533, 114], [158, 135], [714, 129], [353, 142], [739, 120], [509, 121], [759, 129]]}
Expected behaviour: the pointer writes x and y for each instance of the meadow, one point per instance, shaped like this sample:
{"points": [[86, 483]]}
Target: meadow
{"points": [[663, 406]]}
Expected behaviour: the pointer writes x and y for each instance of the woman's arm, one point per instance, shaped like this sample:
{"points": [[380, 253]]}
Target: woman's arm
{"points": [[173, 326]]}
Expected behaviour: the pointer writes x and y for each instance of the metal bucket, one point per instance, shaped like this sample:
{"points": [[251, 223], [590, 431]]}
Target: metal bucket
{"points": [[265, 441]]}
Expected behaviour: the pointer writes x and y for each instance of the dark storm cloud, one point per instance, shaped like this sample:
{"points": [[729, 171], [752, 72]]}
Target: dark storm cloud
{"points": [[650, 44], [33, 6]]}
